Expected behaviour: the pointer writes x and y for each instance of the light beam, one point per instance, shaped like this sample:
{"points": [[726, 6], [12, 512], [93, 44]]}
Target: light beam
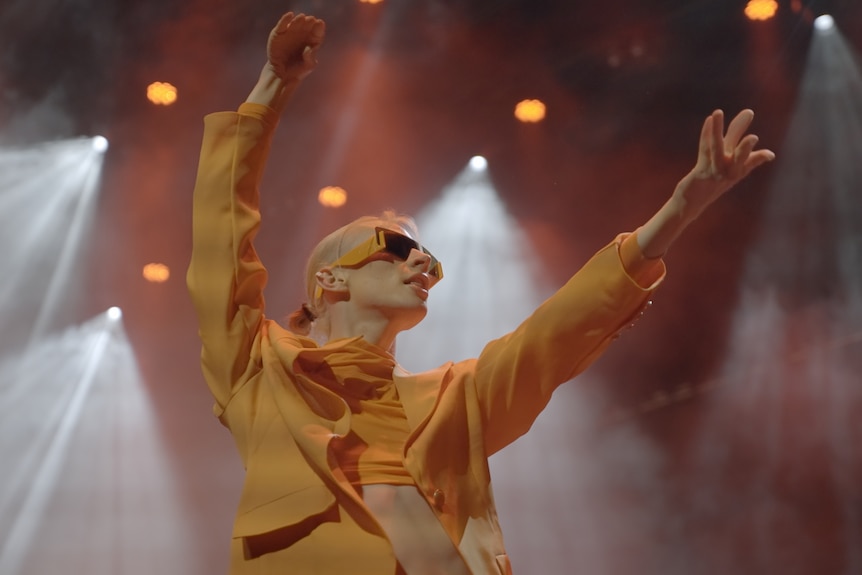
{"points": [[489, 286]]}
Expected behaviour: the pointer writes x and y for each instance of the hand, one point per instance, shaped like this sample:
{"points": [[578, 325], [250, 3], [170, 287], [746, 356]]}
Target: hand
{"points": [[723, 160], [292, 46]]}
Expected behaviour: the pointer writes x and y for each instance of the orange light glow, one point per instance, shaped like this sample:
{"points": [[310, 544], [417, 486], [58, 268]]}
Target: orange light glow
{"points": [[371, 1], [530, 111], [161, 93], [761, 9], [332, 197], [157, 273]]}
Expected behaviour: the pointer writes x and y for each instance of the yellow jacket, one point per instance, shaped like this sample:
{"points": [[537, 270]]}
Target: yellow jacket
{"points": [[297, 513]]}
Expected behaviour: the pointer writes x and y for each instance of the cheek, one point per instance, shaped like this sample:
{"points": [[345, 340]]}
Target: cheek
{"points": [[382, 272], [375, 280]]}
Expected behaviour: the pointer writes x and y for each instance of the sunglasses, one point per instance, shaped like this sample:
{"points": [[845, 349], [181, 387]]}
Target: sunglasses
{"points": [[391, 242]]}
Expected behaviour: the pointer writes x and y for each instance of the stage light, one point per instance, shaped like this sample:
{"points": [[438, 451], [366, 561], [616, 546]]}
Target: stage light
{"points": [[100, 144], [114, 313], [371, 1], [761, 9], [478, 164], [162, 93], [530, 111], [824, 23], [156, 273], [332, 197]]}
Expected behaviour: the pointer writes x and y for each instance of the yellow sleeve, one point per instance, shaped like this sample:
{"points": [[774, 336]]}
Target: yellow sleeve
{"points": [[225, 277], [516, 374], [646, 272]]}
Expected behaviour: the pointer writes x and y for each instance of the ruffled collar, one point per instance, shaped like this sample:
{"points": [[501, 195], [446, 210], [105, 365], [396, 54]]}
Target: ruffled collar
{"points": [[351, 367]]}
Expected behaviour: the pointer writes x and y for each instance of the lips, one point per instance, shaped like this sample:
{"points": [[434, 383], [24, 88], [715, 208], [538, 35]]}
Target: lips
{"points": [[420, 283], [420, 280]]}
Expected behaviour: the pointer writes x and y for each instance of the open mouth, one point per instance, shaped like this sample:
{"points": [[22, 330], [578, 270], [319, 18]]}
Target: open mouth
{"points": [[420, 284], [421, 281]]}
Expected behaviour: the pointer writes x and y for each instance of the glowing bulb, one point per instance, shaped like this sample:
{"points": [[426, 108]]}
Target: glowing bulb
{"points": [[114, 313], [824, 23], [157, 273], [100, 144], [161, 93], [478, 163], [332, 197], [530, 111], [761, 9]]}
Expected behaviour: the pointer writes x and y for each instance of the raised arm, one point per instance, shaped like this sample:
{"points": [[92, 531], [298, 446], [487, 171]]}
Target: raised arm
{"points": [[225, 277]]}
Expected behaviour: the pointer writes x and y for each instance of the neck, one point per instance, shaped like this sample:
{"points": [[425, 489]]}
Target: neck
{"points": [[372, 325]]}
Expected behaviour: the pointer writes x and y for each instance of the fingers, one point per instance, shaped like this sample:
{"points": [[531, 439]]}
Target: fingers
{"points": [[735, 144], [309, 57], [758, 158], [746, 158], [293, 43], [705, 137], [283, 23], [313, 29], [742, 151], [744, 155], [318, 31], [717, 138], [736, 130]]}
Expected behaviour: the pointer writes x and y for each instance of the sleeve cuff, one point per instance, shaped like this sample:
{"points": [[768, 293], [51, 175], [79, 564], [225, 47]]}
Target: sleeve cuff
{"points": [[646, 272], [263, 113]]}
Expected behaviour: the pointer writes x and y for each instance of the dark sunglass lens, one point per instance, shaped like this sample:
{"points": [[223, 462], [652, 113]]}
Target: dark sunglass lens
{"points": [[399, 245]]}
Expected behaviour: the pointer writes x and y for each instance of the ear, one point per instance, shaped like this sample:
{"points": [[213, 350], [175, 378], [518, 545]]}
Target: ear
{"points": [[332, 280]]}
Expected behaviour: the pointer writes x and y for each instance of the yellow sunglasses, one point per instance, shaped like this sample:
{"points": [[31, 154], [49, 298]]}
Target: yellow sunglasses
{"points": [[391, 242]]}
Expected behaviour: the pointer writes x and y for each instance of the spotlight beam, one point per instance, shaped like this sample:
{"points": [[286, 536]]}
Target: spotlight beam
{"points": [[47, 194], [77, 230], [26, 523], [489, 255]]}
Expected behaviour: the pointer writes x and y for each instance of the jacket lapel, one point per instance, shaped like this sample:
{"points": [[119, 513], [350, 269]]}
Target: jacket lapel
{"points": [[419, 394]]}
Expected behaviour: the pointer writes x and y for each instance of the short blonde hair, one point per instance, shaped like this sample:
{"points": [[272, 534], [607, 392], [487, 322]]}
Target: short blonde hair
{"points": [[312, 313]]}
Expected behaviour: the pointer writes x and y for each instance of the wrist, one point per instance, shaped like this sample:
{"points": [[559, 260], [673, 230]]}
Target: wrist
{"points": [[272, 89], [664, 227], [682, 203], [695, 193]]}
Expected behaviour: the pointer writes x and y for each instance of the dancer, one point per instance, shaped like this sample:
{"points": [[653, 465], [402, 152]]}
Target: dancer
{"points": [[354, 465]]}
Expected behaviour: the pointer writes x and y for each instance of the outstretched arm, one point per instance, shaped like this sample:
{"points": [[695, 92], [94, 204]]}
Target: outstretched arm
{"points": [[291, 51], [516, 374], [723, 160]]}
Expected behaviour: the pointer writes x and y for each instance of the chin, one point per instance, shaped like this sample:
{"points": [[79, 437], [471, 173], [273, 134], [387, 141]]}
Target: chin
{"points": [[411, 317]]}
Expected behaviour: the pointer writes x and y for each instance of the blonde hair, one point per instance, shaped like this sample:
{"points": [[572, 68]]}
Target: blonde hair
{"points": [[313, 313]]}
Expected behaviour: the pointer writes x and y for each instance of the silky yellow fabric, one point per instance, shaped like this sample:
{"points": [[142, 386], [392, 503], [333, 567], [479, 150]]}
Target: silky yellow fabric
{"points": [[362, 374], [273, 389]]}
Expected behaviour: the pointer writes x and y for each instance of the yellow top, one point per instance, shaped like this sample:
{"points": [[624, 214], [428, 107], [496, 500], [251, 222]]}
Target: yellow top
{"points": [[372, 451], [361, 374]]}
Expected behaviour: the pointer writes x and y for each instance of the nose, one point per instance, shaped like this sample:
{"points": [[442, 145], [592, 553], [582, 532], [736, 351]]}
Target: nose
{"points": [[419, 260]]}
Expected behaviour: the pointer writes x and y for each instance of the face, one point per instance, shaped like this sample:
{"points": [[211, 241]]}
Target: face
{"points": [[386, 285]]}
